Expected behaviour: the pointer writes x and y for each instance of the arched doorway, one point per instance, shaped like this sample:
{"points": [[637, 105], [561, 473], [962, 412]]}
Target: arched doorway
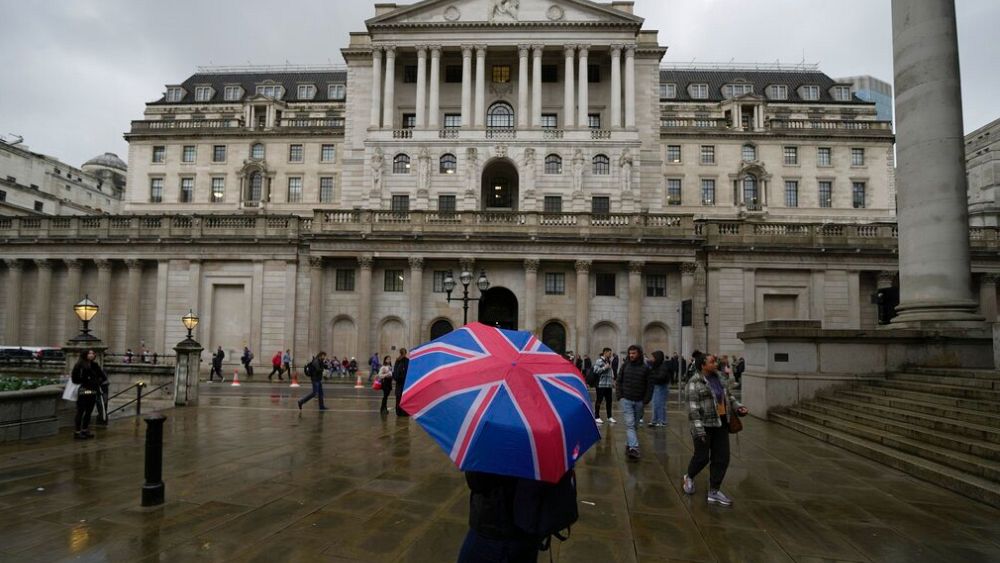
{"points": [[440, 328], [554, 336], [391, 338], [498, 307], [604, 335], [656, 337], [345, 338], [500, 185]]}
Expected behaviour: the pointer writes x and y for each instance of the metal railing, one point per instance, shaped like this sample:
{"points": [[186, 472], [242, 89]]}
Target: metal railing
{"points": [[138, 386]]}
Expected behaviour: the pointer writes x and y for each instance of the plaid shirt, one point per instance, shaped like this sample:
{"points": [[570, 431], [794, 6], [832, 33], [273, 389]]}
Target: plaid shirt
{"points": [[701, 403]]}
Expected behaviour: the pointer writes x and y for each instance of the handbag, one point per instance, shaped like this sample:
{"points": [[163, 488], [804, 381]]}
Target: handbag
{"points": [[377, 384], [72, 391], [735, 424]]}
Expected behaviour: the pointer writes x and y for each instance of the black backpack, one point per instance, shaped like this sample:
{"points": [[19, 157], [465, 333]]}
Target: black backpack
{"points": [[545, 510], [310, 369]]}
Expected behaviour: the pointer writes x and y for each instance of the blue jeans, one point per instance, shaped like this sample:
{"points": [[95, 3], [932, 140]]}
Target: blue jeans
{"points": [[632, 412], [317, 391], [660, 395]]}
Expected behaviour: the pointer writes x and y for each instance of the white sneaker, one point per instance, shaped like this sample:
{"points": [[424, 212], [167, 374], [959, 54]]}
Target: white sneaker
{"points": [[599, 421], [688, 485], [611, 420]]}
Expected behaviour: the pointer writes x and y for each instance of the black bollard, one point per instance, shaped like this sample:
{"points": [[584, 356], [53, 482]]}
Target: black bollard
{"points": [[153, 488]]}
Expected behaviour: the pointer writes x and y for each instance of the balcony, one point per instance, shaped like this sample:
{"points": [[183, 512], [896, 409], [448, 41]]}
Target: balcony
{"points": [[529, 135], [157, 127]]}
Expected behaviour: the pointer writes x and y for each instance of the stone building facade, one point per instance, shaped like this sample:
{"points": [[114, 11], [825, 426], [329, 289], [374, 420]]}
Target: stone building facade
{"points": [[609, 199], [982, 166]]}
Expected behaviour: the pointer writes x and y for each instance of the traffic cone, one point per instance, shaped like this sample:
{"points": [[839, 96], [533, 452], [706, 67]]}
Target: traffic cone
{"points": [[295, 379], [236, 378], [359, 384]]}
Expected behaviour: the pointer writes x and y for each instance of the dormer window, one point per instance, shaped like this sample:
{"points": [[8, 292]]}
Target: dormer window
{"points": [[203, 93], [841, 93], [175, 94], [668, 91], [809, 92], [233, 93], [698, 91], [271, 91], [306, 92], [736, 90], [336, 91], [777, 92]]}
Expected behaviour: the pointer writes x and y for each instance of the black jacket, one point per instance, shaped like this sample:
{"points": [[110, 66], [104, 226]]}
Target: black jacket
{"points": [[315, 370], [89, 378], [634, 382], [660, 372], [491, 505], [399, 371]]}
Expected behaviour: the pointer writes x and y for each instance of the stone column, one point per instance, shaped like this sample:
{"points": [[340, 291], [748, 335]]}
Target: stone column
{"points": [[480, 86], [817, 295], [583, 306], [103, 300], [750, 304], [12, 330], [433, 121], [568, 107], [162, 282], [421, 87], [531, 294], [616, 86], [376, 100], [416, 291], [988, 296], [630, 86], [688, 270], [466, 85], [635, 301], [132, 304], [584, 100], [854, 299], [44, 309], [315, 315], [536, 86], [522, 86], [73, 290], [934, 263], [364, 307], [389, 103]]}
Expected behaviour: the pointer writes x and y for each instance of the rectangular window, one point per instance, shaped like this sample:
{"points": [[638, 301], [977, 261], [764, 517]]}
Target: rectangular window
{"points": [[328, 153], [656, 285], [345, 280], [749, 153], [668, 91], [219, 153], [187, 190], [409, 120], [336, 91], [306, 92], [605, 284], [3, 195], [218, 189], [326, 189], [447, 204], [400, 204], [453, 74], [159, 155], [791, 156], [791, 193], [707, 191], [824, 156], [233, 93], [600, 205], [550, 121], [393, 281], [437, 281], [294, 153], [156, 190], [452, 120], [202, 94], [698, 91], [553, 204], [858, 195], [501, 74], [708, 154], [295, 190], [174, 94], [271, 91], [594, 120], [673, 191], [188, 154], [550, 73], [593, 73], [826, 194], [410, 74], [857, 157], [555, 283], [673, 154], [39, 206]]}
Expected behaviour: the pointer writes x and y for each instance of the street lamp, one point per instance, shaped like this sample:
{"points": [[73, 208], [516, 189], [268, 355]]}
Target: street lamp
{"points": [[466, 279], [190, 321], [86, 310]]}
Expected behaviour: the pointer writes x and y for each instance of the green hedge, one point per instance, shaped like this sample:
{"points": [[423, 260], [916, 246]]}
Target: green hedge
{"points": [[8, 383]]}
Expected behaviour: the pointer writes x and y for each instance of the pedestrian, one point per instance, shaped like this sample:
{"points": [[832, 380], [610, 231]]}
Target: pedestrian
{"points": [[128, 356], [275, 366], [578, 362], [217, 365], [143, 353], [399, 378], [352, 368], [605, 385], [493, 535], [614, 365], [738, 369], [635, 390], [385, 376], [286, 362], [710, 406], [374, 365], [87, 373], [314, 370], [334, 366], [587, 366], [660, 376], [345, 366]]}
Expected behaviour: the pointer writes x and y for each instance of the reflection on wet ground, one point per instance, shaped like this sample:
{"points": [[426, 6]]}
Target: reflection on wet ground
{"points": [[250, 478]]}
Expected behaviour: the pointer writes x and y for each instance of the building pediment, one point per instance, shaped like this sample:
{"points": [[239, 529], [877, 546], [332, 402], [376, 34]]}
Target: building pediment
{"points": [[435, 13]]}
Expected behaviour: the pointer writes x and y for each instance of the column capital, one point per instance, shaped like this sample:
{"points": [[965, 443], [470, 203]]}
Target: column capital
{"points": [[689, 267], [467, 50], [43, 264], [73, 263], [522, 51], [570, 50], [886, 278], [636, 266], [537, 50], [365, 261], [103, 263], [616, 49], [421, 51], [480, 50], [390, 50], [583, 49], [133, 263], [531, 264], [377, 50], [13, 263], [416, 262], [991, 277], [583, 266], [316, 262], [435, 50], [630, 51]]}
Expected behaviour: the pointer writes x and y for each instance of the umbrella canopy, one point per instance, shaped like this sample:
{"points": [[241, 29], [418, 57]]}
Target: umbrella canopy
{"points": [[500, 401]]}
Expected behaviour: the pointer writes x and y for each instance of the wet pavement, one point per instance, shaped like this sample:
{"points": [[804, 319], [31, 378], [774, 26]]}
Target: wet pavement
{"points": [[249, 478]]}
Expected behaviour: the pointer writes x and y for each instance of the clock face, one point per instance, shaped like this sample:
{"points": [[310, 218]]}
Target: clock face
{"points": [[555, 13]]}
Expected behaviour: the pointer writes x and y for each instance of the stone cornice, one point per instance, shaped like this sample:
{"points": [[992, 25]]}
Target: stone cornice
{"points": [[500, 26]]}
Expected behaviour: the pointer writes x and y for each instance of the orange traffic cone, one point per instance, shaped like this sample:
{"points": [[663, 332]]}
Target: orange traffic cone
{"points": [[359, 384], [295, 380], [236, 378]]}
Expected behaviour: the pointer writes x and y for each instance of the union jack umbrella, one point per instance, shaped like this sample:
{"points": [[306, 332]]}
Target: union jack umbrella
{"points": [[500, 401]]}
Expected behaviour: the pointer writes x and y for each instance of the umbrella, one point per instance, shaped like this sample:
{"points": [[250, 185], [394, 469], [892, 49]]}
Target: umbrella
{"points": [[500, 401]]}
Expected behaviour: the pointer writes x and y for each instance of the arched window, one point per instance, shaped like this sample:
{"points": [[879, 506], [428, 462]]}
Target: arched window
{"points": [[500, 116], [749, 153], [751, 196], [401, 164], [257, 151], [554, 336], [255, 187], [602, 165], [448, 163], [440, 328], [553, 164]]}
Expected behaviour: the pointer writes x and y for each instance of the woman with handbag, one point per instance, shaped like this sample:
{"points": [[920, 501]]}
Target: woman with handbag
{"points": [[385, 377], [89, 376], [711, 410]]}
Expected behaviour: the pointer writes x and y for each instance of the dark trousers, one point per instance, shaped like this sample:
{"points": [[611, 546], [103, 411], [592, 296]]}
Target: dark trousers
{"points": [[603, 394], [399, 398], [84, 408], [479, 549], [275, 370], [714, 452], [249, 369], [216, 369], [317, 391], [386, 390]]}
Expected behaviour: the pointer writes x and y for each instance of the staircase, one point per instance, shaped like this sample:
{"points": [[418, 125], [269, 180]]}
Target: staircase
{"points": [[939, 425]]}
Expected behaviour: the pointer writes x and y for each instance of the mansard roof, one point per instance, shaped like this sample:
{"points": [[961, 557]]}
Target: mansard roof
{"points": [[760, 79], [250, 80]]}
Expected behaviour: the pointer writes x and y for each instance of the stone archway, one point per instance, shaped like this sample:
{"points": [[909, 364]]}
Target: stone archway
{"points": [[500, 186], [656, 337], [392, 336], [440, 328], [344, 342], [554, 336], [498, 307]]}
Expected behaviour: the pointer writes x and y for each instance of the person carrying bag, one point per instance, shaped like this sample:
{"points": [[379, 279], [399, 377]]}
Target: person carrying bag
{"points": [[89, 376]]}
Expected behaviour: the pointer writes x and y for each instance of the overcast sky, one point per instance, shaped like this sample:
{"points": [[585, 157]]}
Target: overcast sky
{"points": [[74, 73]]}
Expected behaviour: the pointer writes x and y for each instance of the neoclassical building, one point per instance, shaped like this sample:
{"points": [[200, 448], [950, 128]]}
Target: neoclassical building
{"points": [[609, 199]]}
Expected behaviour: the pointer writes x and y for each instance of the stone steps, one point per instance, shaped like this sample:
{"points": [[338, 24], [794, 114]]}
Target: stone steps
{"points": [[946, 476], [941, 421], [956, 372], [950, 380], [980, 397], [927, 404]]}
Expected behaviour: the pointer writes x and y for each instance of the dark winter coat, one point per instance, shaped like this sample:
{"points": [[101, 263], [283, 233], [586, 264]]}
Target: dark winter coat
{"points": [[634, 382], [315, 371], [399, 371], [660, 372], [88, 377]]}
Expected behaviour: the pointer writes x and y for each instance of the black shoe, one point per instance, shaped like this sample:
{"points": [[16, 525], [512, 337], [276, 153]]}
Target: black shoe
{"points": [[299, 403], [87, 433], [323, 409], [79, 436]]}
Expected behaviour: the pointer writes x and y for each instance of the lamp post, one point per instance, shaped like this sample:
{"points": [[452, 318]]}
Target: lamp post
{"points": [[466, 279], [190, 321], [86, 310], [188, 366]]}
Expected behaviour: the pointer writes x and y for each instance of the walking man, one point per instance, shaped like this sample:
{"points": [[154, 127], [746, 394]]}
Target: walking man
{"points": [[247, 361], [635, 390], [605, 385], [399, 378], [275, 366], [217, 365], [286, 361], [314, 370]]}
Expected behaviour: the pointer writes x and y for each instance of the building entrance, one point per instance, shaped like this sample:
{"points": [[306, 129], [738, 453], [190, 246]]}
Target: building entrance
{"points": [[498, 307]]}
